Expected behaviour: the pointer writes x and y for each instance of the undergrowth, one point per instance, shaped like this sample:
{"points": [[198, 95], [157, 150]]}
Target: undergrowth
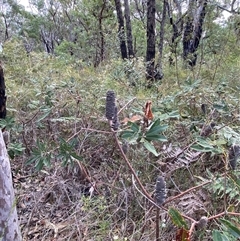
{"points": [[70, 176]]}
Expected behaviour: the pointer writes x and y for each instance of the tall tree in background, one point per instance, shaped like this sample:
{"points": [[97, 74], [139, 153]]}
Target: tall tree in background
{"points": [[193, 30], [159, 67], [121, 32], [151, 40], [128, 29], [9, 226]]}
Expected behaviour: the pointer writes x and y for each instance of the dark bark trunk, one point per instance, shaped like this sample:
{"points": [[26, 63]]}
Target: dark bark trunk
{"points": [[159, 69], [177, 29], [151, 40], [128, 29], [100, 46], [121, 32], [193, 31], [3, 97], [9, 227]]}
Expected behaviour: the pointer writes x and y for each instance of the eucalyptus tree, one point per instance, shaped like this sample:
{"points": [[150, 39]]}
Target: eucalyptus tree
{"points": [[9, 225], [121, 29], [151, 39], [193, 30], [11, 19], [127, 16]]}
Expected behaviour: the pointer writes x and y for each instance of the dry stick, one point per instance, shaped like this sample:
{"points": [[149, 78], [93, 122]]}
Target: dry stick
{"points": [[192, 228], [157, 206], [89, 129], [157, 224], [130, 101], [146, 194], [223, 214], [188, 190]]}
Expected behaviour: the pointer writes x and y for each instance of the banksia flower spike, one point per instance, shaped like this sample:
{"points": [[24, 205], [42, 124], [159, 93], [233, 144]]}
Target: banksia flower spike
{"points": [[160, 195], [111, 110], [115, 122], [110, 105]]}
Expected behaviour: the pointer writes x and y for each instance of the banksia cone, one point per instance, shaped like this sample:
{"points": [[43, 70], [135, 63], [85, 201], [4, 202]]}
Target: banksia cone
{"points": [[202, 223], [233, 155], [110, 105], [207, 130], [115, 121], [160, 191]]}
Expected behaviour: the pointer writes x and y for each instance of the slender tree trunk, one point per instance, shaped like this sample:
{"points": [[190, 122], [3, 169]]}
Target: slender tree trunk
{"points": [[193, 30], [9, 226], [151, 40], [128, 29], [121, 32], [159, 69], [177, 29]]}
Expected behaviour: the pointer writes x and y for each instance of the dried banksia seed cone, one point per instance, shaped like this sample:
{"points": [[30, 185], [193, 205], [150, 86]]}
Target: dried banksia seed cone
{"points": [[160, 191], [115, 121], [204, 108], [202, 223], [207, 130], [233, 155], [110, 105]]}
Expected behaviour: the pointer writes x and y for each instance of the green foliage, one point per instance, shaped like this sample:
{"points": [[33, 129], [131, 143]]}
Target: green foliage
{"points": [[177, 218], [229, 186], [138, 134], [230, 231], [41, 156]]}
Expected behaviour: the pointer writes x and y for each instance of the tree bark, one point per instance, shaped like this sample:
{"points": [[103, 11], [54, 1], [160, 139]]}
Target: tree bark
{"points": [[3, 97], [121, 32], [151, 40], [159, 69], [9, 226], [128, 29], [193, 30]]}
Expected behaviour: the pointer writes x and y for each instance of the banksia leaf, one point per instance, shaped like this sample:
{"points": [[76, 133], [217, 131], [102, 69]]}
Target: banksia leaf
{"points": [[110, 105], [160, 191], [233, 155], [177, 218]]}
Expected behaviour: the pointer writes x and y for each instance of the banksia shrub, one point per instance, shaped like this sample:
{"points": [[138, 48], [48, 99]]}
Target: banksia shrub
{"points": [[160, 191]]}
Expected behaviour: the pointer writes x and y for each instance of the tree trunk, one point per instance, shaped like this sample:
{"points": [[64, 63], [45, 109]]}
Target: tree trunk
{"points": [[159, 69], [193, 30], [9, 226], [121, 33], [128, 29], [151, 40]]}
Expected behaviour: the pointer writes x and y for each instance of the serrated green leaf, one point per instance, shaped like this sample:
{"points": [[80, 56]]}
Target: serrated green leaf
{"points": [[47, 112], [218, 236], [157, 130], [134, 127], [150, 147], [201, 148], [155, 138], [177, 218], [232, 229], [154, 124], [205, 143], [127, 134]]}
